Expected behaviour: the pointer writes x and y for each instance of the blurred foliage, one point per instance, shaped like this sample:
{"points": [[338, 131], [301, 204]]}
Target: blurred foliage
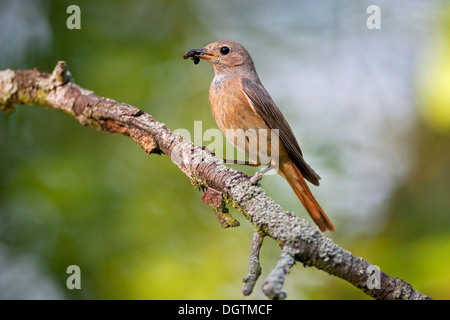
{"points": [[434, 82], [132, 222]]}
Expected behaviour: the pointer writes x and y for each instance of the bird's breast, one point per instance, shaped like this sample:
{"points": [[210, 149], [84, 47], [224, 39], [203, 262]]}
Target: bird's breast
{"points": [[230, 106], [236, 118]]}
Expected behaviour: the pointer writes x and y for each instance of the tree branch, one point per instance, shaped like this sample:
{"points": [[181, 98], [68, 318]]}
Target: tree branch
{"points": [[298, 240]]}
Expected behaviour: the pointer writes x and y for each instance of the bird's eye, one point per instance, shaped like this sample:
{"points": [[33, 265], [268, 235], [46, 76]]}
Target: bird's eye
{"points": [[224, 50]]}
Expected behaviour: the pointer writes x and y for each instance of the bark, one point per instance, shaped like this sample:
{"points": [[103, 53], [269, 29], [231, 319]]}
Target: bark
{"points": [[222, 186]]}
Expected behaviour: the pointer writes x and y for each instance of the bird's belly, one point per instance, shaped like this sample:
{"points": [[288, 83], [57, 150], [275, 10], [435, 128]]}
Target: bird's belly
{"points": [[243, 127]]}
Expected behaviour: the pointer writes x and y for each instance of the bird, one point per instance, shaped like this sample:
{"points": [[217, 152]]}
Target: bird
{"points": [[239, 101]]}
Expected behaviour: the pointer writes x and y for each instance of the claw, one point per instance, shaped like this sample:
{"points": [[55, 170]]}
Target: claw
{"points": [[256, 178]]}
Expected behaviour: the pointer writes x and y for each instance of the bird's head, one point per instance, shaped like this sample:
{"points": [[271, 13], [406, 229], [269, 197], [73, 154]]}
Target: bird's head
{"points": [[223, 55]]}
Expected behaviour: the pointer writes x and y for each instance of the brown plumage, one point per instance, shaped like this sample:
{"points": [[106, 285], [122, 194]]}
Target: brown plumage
{"points": [[239, 101]]}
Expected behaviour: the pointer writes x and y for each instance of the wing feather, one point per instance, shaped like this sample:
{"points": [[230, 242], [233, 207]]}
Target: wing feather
{"points": [[272, 116]]}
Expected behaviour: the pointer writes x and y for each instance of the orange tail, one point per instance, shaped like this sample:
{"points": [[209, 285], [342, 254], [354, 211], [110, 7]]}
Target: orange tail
{"points": [[293, 175]]}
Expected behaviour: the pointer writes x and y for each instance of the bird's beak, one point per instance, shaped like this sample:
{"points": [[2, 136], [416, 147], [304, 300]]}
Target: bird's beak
{"points": [[199, 53], [205, 54]]}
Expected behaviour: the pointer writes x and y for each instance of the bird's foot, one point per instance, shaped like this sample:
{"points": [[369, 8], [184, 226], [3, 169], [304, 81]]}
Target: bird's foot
{"points": [[256, 178]]}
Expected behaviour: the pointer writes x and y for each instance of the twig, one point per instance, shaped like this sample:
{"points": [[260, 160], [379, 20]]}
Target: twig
{"points": [[273, 286]]}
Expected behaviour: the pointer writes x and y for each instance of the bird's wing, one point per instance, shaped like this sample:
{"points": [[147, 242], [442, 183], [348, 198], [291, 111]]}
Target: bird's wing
{"points": [[272, 116]]}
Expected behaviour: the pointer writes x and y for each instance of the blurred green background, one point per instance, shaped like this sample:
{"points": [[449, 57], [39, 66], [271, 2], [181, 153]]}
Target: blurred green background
{"points": [[371, 109]]}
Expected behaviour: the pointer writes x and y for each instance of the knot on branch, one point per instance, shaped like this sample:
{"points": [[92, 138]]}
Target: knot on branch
{"points": [[215, 199], [8, 89], [60, 74]]}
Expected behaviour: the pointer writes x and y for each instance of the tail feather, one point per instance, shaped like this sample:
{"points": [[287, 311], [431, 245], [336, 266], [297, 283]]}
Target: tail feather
{"points": [[295, 179]]}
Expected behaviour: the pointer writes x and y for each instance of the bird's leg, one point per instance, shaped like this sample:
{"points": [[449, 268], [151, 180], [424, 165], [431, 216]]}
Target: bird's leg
{"points": [[242, 162], [264, 171], [258, 175]]}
